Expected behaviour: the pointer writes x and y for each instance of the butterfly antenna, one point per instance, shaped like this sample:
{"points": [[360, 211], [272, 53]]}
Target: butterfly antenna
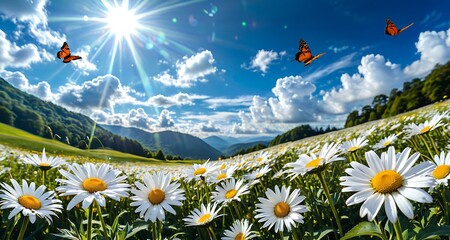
{"points": [[404, 28]]}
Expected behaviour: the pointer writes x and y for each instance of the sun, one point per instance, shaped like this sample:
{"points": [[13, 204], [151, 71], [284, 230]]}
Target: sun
{"points": [[121, 21]]}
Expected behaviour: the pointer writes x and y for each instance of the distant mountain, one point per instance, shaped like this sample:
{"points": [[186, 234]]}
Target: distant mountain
{"points": [[256, 139], [217, 142], [45, 119], [174, 143], [233, 149], [223, 143]]}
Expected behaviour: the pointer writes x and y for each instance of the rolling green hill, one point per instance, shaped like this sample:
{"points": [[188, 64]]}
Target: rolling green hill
{"points": [[17, 138], [45, 119], [174, 143]]}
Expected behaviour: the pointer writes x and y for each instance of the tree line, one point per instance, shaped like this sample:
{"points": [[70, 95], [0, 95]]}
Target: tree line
{"points": [[414, 94]]}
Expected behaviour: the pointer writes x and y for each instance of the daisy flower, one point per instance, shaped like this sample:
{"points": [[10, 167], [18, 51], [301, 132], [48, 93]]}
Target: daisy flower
{"points": [[412, 129], [354, 144], [281, 208], [385, 142], [89, 182], [258, 173], [262, 157], [156, 196], [230, 190], [221, 175], [241, 229], [202, 216], [390, 181], [201, 171], [305, 163], [441, 168], [43, 162], [30, 201]]}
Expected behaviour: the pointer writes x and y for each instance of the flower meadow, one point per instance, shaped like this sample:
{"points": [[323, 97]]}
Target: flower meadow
{"points": [[386, 179]]}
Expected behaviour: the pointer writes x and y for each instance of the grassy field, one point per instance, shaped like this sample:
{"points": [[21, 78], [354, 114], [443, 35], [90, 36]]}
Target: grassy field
{"points": [[290, 183], [27, 142]]}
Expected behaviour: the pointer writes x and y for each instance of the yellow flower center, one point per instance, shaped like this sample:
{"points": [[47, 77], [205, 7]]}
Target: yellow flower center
{"points": [[441, 171], [353, 148], [240, 236], [200, 171], [94, 185], [30, 202], [230, 194], [281, 209], [259, 159], [385, 144], [314, 163], [44, 164], [425, 129], [258, 175], [387, 181], [156, 196], [204, 218], [221, 176], [223, 166]]}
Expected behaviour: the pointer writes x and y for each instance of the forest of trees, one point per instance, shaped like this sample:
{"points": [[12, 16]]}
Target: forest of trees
{"points": [[302, 131], [415, 94], [45, 119]]}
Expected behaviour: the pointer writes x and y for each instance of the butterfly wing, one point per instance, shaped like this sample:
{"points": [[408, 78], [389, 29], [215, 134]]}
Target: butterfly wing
{"points": [[313, 58], [65, 51], [391, 29], [304, 53], [70, 58]]}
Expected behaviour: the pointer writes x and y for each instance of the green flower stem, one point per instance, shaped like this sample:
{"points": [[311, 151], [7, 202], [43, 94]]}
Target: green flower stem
{"points": [[331, 202], [23, 228], [432, 143], [398, 230], [89, 227], [424, 140], [211, 233], [102, 221], [44, 176], [445, 203], [237, 209]]}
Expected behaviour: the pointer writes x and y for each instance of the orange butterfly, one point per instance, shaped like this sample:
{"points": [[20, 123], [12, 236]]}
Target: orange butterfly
{"points": [[65, 54], [392, 30], [304, 54]]}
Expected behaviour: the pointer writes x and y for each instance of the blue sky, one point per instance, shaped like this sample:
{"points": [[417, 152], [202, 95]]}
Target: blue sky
{"points": [[218, 67]]}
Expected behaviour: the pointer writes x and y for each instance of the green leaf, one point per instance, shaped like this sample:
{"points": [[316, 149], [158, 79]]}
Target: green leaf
{"points": [[364, 228], [324, 233], [432, 231]]}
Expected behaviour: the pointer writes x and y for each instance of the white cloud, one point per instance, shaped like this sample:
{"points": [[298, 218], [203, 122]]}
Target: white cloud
{"points": [[18, 80], [293, 100], [263, 59], [178, 99], [23, 10], [375, 76], [83, 64], [102, 92], [240, 101], [434, 48], [209, 127], [343, 62], [12, 55], [138, 118], [338, 49], [165, 120], [189, 71], [35, 14]]}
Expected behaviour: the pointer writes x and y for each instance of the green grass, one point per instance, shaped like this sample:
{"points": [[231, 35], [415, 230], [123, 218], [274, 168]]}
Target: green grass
{"points": [[25, 141]]}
